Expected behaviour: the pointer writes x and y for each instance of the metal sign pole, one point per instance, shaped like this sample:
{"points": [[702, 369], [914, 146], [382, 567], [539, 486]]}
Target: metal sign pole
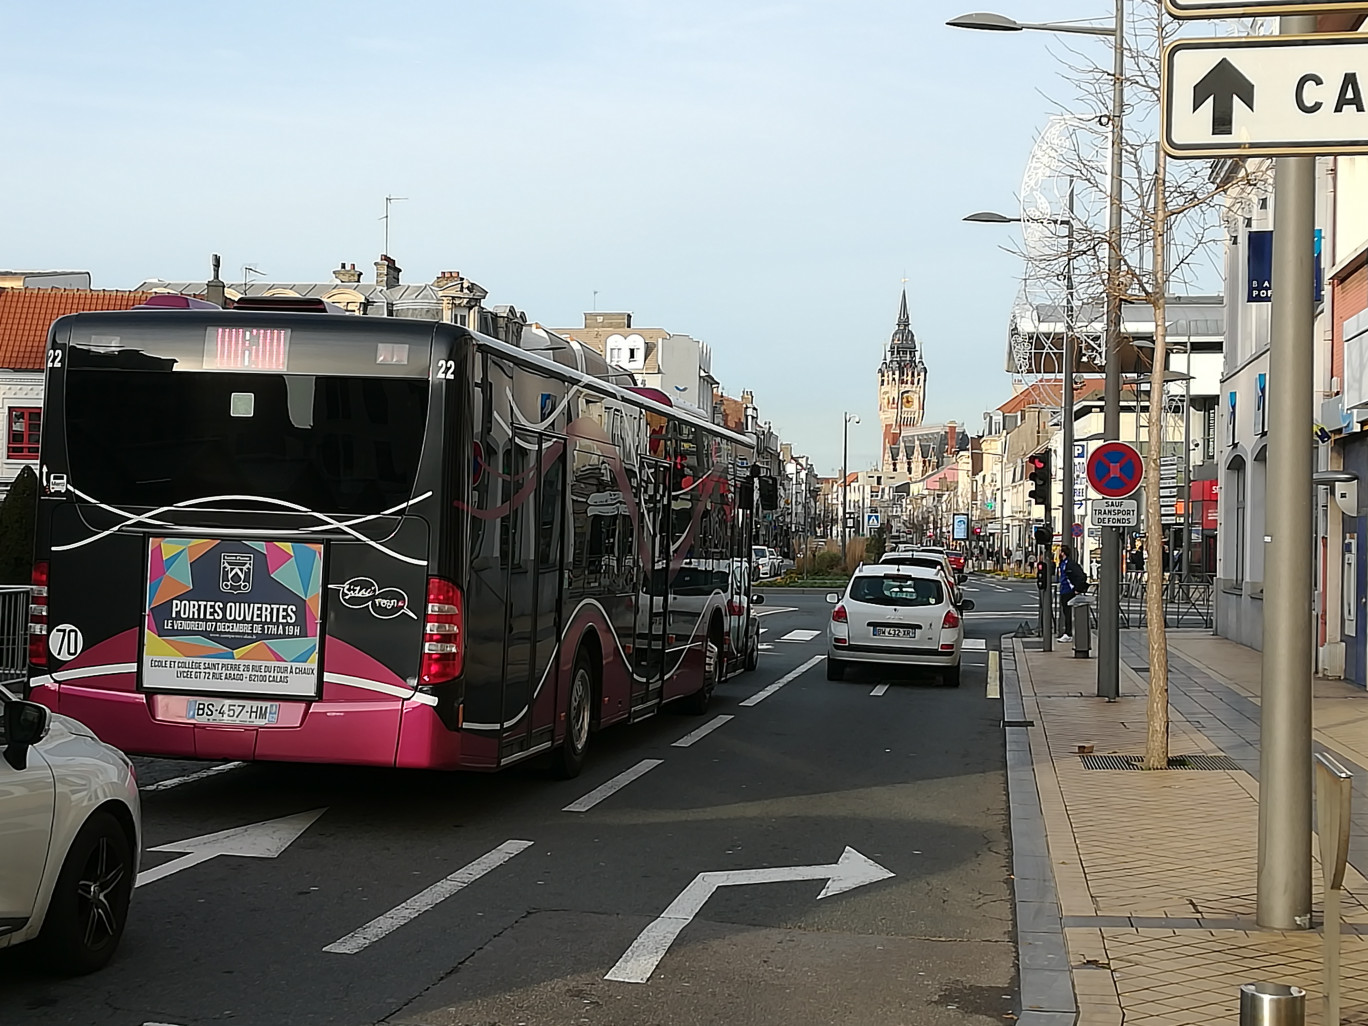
{"points": [[1284, 874]]}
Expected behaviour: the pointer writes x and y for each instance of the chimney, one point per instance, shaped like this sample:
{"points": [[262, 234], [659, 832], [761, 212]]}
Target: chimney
{"points": [[950, 439], [386, 272], [747, 398], [213, 288], [347, 274], [447, 278]]}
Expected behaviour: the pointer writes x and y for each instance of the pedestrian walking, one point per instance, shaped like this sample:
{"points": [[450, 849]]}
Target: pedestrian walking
{"points": [[1072, 582]]}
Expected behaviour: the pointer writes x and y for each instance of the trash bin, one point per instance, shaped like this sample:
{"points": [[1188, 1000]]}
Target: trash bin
{"points": [[1272, 1004], [1082, 625]]}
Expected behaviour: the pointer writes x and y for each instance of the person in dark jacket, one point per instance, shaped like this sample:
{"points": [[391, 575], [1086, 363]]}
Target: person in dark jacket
{"points": [[1072, 581]]}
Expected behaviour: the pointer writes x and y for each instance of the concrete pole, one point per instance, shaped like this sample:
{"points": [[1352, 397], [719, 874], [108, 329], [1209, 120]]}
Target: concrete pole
{"points": [[1284, 888], [1109, 583], [1066, 504]]}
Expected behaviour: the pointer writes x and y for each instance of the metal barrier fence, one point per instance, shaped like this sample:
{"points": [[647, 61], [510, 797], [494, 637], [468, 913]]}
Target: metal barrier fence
{"points": [[1187, 600], [14, 620]]}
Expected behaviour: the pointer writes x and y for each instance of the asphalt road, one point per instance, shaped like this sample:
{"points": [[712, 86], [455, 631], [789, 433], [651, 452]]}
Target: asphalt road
{"points": [[909, 778]]}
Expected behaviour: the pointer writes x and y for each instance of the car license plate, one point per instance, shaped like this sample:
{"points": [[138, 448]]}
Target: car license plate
{"points": [[895, 632], [225, 711]]}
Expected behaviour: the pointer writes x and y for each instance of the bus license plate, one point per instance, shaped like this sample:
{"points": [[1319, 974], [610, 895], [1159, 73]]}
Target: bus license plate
{"points": [[247, 714], [895, 632]]}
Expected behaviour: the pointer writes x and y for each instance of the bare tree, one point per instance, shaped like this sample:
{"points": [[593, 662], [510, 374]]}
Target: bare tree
{"points": [[1171, 233]]}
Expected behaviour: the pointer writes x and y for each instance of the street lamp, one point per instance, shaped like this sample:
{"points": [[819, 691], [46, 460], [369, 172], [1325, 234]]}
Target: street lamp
{"points": [[1066, 392], [849, 418], [1109, 597]]}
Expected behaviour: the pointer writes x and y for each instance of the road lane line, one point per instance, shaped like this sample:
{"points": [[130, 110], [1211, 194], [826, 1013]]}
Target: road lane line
{"points": [[616, 784], [878, 691], [383, 926], [800, 636], [702, 732], [974, 645], [994, 674], [771, 610], [763, 694], [212, 771]]}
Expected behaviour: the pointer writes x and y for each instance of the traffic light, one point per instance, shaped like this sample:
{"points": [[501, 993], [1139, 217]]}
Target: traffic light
{"points": [[1040, 478], [769, 493], [1043, 536]]}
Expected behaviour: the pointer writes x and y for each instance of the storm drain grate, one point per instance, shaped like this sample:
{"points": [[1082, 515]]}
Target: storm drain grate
{"points": [[1176, 762]]}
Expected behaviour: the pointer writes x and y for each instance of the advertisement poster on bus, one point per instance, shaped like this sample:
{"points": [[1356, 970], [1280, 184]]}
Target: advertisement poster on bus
{"points": [[233, 616]]}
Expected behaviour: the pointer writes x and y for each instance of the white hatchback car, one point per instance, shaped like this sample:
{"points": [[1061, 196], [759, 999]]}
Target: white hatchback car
{"points": [[896, 615], [71, 824]]}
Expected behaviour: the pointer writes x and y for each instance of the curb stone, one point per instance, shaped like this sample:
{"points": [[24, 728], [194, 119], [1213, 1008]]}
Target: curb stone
{"points": [[1046, 983]]}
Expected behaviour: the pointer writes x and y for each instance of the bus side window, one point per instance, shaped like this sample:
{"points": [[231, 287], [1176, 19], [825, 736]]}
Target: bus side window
{"points": [[510, 536], [549, 526]]}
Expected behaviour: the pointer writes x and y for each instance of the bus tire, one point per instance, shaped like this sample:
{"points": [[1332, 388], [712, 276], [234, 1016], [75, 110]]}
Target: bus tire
{"points": [[753, 655], [579, 718], [89, 905], [698, 702]]}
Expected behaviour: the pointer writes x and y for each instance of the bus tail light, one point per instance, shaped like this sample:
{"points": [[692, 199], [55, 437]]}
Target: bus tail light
{"points": [[443, 633], [38, 614], [951, 620], [839, 615]]}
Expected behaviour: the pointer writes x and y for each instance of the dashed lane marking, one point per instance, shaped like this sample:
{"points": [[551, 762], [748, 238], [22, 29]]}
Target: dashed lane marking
{"points": [[764, 693], [800, 636], [701, 732], [878, 691], [613, 786], [190, 778], [383, 926], [771, 610]]}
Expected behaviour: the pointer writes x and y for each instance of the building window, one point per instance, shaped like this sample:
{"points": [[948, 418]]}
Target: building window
{"points": [[1239, 541], [615, 355], [25, 424]]}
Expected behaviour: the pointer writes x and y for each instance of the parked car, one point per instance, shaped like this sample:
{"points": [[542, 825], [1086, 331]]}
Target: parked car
{"points": [[896, 615], [779, 565], [762, 566], [72, 830]]}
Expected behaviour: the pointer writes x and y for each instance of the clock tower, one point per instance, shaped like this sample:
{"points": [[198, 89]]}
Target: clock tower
{"points": [[902, 395]]}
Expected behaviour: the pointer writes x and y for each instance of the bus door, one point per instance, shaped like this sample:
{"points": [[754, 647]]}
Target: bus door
{"points": [[653, 590], [532, 615]]}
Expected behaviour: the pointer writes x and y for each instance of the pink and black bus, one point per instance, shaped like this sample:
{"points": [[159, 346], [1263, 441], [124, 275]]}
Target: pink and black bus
{"points": [[377, 541]]}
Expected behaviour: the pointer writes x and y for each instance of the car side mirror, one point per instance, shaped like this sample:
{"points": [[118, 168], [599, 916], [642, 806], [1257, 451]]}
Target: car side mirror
{"points": [[833, 598], [967, 605], [22, 725], [758, 600]]}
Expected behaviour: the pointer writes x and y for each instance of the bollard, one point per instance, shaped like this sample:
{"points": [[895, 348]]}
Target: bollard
{"points": [[1272, 1004], [1082, 625]]}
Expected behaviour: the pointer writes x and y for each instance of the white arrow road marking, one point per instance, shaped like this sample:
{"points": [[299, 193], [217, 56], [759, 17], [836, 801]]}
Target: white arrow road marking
{"points": [[765, 648], [254, 841], [761, 695], [771, 610], [637, 964], [189, 778], [383, 926], [616, 784], [878, 690], [974, 645], [800, 636], [701, 732]]}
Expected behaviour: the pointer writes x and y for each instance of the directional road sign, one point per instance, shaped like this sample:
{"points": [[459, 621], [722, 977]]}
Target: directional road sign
{"points": [[1114, 470], [1266, 96], [1254, 8]]}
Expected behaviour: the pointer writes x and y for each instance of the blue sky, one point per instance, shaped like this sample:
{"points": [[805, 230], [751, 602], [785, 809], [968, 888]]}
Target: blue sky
{"points": [[759, 175]]}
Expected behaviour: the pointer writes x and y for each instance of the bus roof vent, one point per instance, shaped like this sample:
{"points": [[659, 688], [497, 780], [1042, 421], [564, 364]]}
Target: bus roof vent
{"points": [[654, 394], [286, 304], [175, 301]]}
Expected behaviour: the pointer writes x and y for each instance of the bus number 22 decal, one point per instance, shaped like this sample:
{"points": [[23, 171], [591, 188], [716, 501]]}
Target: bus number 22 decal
{"points": [[54, 358], [446, 369]]}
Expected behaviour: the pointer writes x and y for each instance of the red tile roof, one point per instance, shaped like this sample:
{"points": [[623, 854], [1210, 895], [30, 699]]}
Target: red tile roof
{"points": [[26, 315], [1045, 392]]}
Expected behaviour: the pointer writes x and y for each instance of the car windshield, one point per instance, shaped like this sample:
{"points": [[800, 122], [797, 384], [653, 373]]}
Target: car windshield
{"points": [[889, 590], [759, 552]]}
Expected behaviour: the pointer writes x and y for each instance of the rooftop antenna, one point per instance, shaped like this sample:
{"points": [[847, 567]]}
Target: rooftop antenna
{"points": [[246, 270], [386, 218]]}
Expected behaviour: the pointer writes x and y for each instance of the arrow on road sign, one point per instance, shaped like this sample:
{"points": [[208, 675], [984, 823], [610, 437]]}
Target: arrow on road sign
{"points": [[1222, 85], [851, 870], [254, 841]]}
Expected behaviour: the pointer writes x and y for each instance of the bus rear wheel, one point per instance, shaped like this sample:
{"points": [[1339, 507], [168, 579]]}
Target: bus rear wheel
{"points": [[698, 702], [579, 717]]}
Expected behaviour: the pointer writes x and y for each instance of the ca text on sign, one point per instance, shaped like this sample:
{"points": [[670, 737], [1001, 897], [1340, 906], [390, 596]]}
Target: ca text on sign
{"points": [[1266, 95]]}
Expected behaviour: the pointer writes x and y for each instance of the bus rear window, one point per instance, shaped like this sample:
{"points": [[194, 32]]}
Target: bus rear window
{"points": [[157, 438]]}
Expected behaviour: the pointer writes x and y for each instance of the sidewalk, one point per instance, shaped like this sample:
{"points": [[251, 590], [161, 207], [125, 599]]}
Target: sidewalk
{"points": [[1141, 885]]}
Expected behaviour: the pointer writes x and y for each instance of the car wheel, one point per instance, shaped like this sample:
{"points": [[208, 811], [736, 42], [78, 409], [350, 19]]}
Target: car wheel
{"points": [[89, 905], [950, 676], [835, 669], [698, 702], [753, 654], [579, 718]]}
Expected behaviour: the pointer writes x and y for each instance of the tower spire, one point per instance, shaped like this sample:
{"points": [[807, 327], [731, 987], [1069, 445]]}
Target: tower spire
{"points": [[904, 321]]}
